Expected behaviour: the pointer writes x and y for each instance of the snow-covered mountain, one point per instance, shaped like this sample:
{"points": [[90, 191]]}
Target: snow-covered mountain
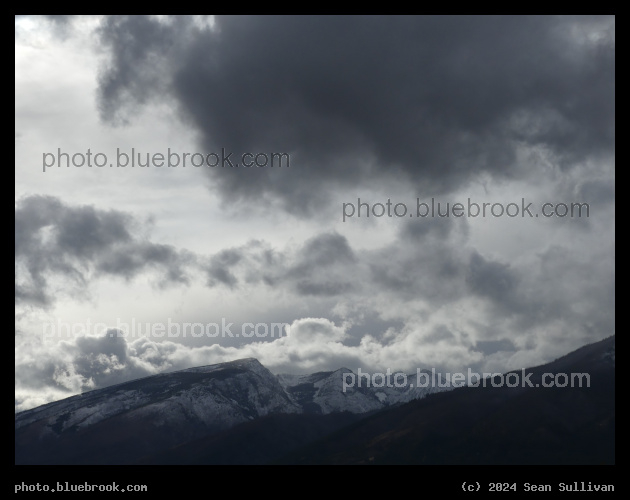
{"points": [[220, 396], [216, 396], [571, 423], [239, 412], [343, 390], [167, 409]]}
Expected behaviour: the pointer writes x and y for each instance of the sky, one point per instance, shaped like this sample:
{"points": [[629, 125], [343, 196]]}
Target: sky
{"points": [[112, 262]]}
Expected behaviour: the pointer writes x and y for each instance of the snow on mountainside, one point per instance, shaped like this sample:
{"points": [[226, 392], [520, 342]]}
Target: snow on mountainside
{"points": [[323, 392], [216, 396], [239, 412], [212, 398]]}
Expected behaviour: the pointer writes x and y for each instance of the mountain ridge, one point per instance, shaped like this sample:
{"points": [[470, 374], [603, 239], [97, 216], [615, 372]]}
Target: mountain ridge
{"points": [[240, 412]]}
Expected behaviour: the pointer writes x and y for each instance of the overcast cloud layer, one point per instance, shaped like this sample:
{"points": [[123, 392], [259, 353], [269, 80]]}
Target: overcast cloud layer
{"points": [[496, 109]]}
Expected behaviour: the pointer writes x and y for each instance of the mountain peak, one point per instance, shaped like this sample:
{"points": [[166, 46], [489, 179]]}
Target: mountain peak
{"points": [[243, 363]]}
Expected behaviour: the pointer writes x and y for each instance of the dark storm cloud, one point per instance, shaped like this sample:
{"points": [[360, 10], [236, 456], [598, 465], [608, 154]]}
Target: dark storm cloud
{"points": [[322, 266], [570, 286], [492, 346], [62, 20], [427, 260], [598, 192], [325, 250], [83, 363], [434, 100], [433, 264], [218, 269], [57, 244], [508, 292], [104, 360], [494, 280], [432, 227], [57, 241], [439, 333], [323, 288], [138, 45], [560, 287]]}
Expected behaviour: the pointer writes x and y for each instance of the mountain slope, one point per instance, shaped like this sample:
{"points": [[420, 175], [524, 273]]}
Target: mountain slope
{"points": [[343, 390], [145, 417], [238, 412], [490, 425], [128, 420]]}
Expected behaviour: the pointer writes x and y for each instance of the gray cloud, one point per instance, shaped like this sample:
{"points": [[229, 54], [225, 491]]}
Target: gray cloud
{"points": [[433, 100], [75, 243], [61, 369], [61, 24], [218, 268], [434, 264], [598, 192], [491, 279], [492, 346], [438, 334], [383, 107], [138, 68], [320, 267]]}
